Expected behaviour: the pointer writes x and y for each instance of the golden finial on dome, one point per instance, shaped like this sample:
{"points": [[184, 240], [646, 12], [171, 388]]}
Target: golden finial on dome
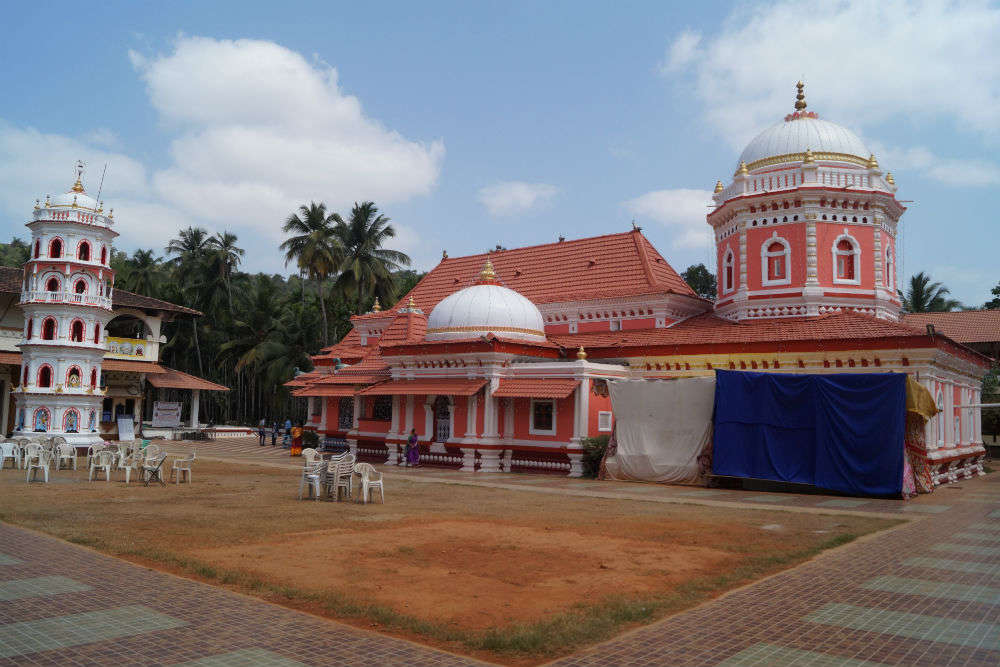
{"points": [[111, 213], [444, 254], [78, 186], [377, 307], [411, 304], [809, 157], [800, 97], [100, 207], [872, 162], [488, 274], [38, 204], [742, 171], [47, 204], [74, 201], [718, 186], [581, 354], [889, 179]]}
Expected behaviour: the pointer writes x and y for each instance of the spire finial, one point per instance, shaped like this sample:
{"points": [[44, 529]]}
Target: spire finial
{"points": [[581, 354], [411, 304], [377, 307], [872, 162], [487, 275], [809, 158], [742, 171], [889, 179], [78, 186], [718, 186], [800, 98]]}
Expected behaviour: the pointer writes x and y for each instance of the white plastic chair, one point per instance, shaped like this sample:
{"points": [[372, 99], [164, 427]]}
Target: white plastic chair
{"points": [[66, 453], [10, 450], [312, 477], [182, 466], [40, 461], [103, 460], [30, 454], [131, 462], [93, 450], [151, 452], [370, 480], [310, 456]]}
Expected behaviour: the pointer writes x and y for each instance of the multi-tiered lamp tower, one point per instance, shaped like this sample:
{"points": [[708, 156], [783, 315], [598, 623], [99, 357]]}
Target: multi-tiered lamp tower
{"points": [[66, 298]]}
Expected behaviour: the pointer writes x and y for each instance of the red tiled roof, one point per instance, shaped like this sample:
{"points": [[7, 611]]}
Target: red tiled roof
{"points": [[10, 282], [172, 379], [614, 265], [535, 388], [132, 366], [304, 379], [964, 326], [447, 386], [369, 370], [406, 327], [10, 358], [348, 349], [325, 390], [711, 329]]}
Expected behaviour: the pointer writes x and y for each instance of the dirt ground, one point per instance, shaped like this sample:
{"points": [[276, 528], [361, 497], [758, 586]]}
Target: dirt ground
{"points": [[459, 559]]}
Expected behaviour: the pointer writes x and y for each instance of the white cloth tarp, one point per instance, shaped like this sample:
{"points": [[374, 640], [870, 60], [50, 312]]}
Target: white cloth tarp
{"points": [[661, 428]]}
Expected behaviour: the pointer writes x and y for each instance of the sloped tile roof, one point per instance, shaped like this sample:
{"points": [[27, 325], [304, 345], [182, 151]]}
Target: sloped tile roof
{"points": [[369, 370], [407, 327], [325, 390], [964, 326], [448, 386], [132, 366], [535, 388], [173, 379], [613, 265], [10, 283], [304, 379], [347, 350]]}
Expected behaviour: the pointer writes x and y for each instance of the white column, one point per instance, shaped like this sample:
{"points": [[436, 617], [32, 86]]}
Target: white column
{"points": [[322, 420], [408, 424], [195, 405], [490, 413], [581, 406], [5, 416], [394, 424], [977, 423], [949, 414], [356, 418], [472, 407], [429, 419]]}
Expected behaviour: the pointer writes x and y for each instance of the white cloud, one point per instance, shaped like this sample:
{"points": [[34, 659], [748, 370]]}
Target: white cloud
{"points": [[683, 210], [257, 131], [863, 62], [512, 197], [950, 171], [682, 52]]}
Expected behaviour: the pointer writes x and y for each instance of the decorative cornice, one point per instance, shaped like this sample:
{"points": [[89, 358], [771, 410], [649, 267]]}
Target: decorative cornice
{"points": [[801, 157]]}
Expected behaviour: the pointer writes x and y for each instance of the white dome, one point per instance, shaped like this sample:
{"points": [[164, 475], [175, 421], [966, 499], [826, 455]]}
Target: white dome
{"points": [[793, 137], [484, 309], [82, 199]]}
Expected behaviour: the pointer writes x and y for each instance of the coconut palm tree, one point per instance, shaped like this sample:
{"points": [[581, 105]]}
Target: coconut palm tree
{"points": [[924, 296], [315, 247], [143, 272], [368, 267], [189, 256], [224, 256]]}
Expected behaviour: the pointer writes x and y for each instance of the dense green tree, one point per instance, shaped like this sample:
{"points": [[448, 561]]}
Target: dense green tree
{"points": [[15, 253], [994, 303], [924, 296], [141, 273], [188, 261], [701, 280], [368, 268], [224, 257], [316, 248]]}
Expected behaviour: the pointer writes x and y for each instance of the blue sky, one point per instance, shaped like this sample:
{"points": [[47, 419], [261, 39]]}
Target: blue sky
{"points": [[474, 124]]}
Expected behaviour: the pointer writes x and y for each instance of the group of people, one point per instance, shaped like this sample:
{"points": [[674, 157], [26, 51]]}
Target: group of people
{"points": [[291, 435]]}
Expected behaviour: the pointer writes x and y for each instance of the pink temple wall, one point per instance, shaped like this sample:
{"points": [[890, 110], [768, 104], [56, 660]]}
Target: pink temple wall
{"points": [[795, 235]]}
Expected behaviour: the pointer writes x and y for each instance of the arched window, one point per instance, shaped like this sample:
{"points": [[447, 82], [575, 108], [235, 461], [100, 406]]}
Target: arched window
{"points": [[80, 287], [49, 329], [83, 252], [73, 377], [52, 285], [728, 268], [104, 254], [97, 333], [775, 261], [71, 421], [45, 376], [846, 260], [38, 248], [31, 329], [76, 331], [890, 270], [55, 248]]}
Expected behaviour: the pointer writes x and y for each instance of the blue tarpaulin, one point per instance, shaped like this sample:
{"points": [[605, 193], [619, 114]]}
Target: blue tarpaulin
{"points": [[842, 432]]}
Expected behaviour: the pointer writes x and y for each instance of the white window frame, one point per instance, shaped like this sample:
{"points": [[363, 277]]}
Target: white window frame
{"points": [[834, 254], [765, 264], [531, 417], [728, 277], [890, 269], [604, 421]]}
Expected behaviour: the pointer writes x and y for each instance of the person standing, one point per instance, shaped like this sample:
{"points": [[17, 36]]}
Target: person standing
{"points": [[287, 439], [412, 449], [274, 433], [296, 440], [261, 431]]}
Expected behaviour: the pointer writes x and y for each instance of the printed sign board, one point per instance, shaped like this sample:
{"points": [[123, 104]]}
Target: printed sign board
{"points": [[166, 414], [126, 429]]}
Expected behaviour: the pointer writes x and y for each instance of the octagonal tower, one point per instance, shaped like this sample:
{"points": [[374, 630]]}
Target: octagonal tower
{"points": [[66, 298], [807, 226]]}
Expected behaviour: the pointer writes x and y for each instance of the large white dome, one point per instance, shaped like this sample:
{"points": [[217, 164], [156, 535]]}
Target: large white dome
{"points": [[486, 308], [793, 137]]}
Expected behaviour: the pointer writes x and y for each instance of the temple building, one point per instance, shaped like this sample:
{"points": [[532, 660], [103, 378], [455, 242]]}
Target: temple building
{"points": [[500, 361], [76, 353]]}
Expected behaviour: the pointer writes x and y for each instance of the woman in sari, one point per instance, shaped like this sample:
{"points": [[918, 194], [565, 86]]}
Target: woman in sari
{"points": [[412, 449]]}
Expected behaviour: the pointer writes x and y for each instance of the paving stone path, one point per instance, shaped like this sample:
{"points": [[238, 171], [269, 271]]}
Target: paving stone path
{"points": [[927, 593]]}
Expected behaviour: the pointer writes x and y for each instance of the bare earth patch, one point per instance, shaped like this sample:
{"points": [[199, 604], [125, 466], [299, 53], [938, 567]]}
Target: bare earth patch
{"points": [[507, 575]]}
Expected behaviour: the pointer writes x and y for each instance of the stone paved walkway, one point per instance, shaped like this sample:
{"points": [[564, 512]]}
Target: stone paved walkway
{"points": [[927, 593]]}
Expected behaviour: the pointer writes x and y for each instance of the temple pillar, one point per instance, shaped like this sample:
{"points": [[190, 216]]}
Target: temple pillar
{"points": [[576, 464], [490, 423], [581, 407], [195, 405], [408, 424], [468, 459], [472, 408], [489, 460], [392, 453]]}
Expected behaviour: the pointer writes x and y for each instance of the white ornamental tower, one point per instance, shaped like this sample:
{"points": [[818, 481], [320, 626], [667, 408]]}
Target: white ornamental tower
{"points": [[66, 299]]}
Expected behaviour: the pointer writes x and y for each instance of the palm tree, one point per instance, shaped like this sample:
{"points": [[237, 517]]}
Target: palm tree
{"points": [[225, 257], [143, 271], [315, 247], [923, 296], [368, 267], [189, 250]]}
